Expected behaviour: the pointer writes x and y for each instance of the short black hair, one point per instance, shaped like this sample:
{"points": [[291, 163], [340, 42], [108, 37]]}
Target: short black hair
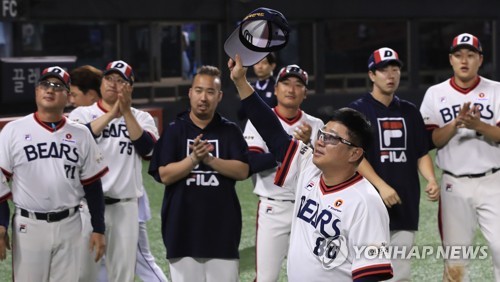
{"points": [[358, 126], [87, 78], [271, 58]]}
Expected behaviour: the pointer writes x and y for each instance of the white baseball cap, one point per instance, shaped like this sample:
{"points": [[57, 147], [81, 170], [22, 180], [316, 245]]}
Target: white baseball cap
{"points": [[262, 31]]}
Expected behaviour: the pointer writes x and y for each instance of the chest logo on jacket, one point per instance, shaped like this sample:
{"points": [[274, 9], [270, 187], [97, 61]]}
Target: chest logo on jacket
{"points": [[392, 139], [203, 175]]}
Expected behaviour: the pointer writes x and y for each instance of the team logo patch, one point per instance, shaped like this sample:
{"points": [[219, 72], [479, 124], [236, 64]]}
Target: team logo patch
{"points": [[449, 187], [338, 203], [27, 137], [482, 97], [68, 138], [269, 209], [23, 228], [310, 186]]}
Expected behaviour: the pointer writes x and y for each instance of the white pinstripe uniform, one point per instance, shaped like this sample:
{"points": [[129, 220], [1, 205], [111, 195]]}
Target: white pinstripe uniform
{"points": [[468, 200], [351, 213], [48, 167], [124, 182], [275, 209]]}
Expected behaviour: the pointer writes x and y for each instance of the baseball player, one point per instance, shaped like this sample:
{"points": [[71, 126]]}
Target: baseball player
{"points": [[275, 207], [463, 113], [264, 86], [85, 91], [199, 158], [125, 135], [336, 209], [85, 86], [400, 150], [52, 163]]}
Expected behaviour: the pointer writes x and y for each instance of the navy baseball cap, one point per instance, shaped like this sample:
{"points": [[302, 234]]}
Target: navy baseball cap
{"points": [[293, 70], [262, 31], [466, 40], [382, 57], [58, 73], [121, 68]]}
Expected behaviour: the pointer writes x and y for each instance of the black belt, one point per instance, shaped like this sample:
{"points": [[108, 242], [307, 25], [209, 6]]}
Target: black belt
{"points": [[50, 216], [474, 175], [271, 199], [111, 201]]}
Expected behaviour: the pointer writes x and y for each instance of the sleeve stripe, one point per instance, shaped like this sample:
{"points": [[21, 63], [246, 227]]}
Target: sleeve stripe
{"points": [[282, 172], [95, 177], [6, 173], [384, 270], [5, 197], [152, 136], [431, 127], [256, 149]]}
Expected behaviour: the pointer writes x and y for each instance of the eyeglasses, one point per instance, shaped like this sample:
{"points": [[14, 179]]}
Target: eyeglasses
{"points": [[333, 139], [58, 87], [120, 81]]}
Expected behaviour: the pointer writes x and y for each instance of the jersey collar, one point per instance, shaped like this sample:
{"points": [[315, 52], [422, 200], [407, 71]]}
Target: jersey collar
{"points": [[325, 189], [42, 124], [466, 90], [288, 121]]}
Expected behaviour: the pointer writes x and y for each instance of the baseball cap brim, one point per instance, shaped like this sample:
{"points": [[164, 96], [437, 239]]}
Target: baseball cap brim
{"points": [[385, 63], [465, 46], [294, 75], [233, 46], [106, 72]]}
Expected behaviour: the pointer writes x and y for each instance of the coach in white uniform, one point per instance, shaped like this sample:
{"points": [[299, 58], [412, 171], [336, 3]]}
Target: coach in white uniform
{"points": [[125, 135], [52, 163], [464, 114], [275, 207]]}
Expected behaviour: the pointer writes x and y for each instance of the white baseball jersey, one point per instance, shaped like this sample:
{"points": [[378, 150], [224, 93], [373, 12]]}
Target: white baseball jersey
{"points": [[124, 179], [350, 214], [442, 103], [264, 184], [49, 166]]}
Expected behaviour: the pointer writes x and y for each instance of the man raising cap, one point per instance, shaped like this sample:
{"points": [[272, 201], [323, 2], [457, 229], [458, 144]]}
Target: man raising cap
{"points": [[275, 207]]}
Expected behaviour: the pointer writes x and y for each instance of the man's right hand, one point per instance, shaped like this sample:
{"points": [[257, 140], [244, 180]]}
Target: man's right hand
{"points": [[389, 195], [98, 244]]}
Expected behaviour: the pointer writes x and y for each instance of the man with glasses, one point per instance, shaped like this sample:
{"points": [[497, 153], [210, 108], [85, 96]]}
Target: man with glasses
{"points": [[337, 212], [52, 163], [275, 207], [400, 150], [125, 135]]}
